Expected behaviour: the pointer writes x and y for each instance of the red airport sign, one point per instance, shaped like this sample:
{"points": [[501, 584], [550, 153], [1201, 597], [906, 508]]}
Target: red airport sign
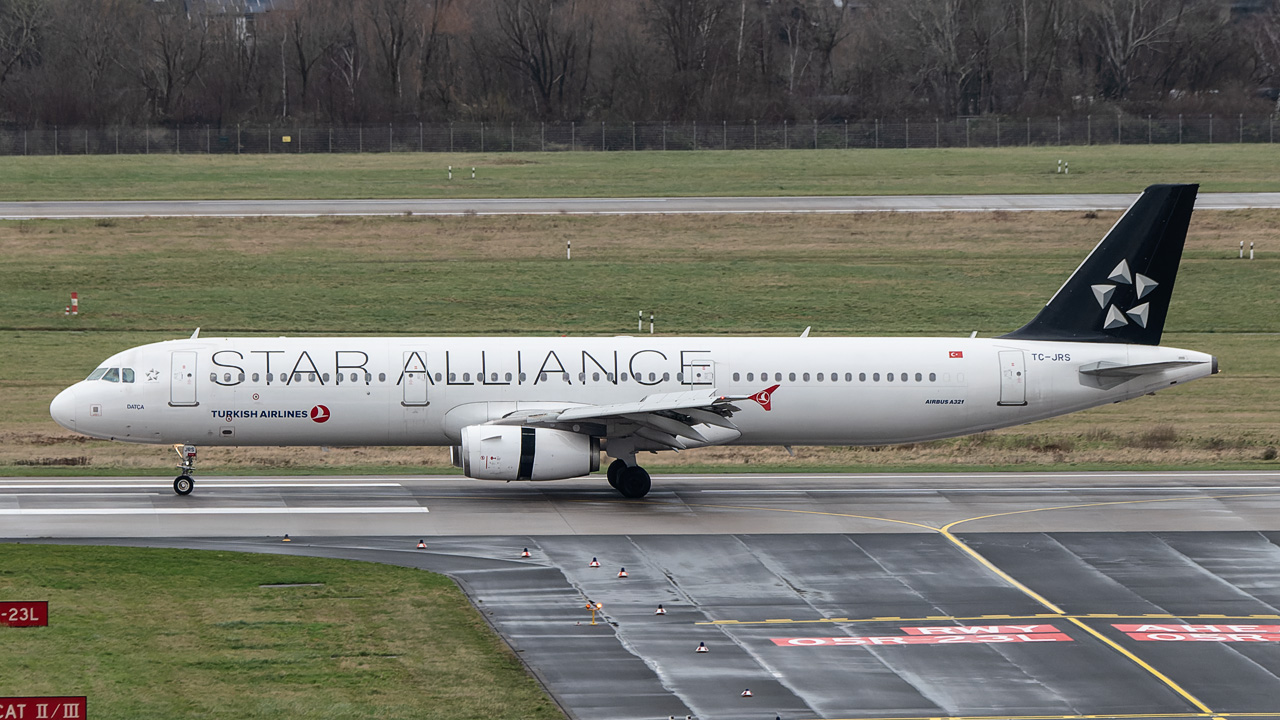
{"points": [[1216, 632], [24, 614], [43, 708], [940, 635]]}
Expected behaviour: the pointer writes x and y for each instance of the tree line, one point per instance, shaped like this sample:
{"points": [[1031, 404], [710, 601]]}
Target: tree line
{"points": [[220, 62]]}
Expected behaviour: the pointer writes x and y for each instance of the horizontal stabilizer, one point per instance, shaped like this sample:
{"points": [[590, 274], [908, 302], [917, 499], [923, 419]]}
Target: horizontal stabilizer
{"points": [[1114, 369]]}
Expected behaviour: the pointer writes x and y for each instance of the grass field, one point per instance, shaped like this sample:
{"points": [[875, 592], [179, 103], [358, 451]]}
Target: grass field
{"points": [[182, 633], [1117, 169], [145, 280]]}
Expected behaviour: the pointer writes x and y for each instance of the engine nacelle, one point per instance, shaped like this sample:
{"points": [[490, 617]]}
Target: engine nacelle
{"points": [[511, 452]]}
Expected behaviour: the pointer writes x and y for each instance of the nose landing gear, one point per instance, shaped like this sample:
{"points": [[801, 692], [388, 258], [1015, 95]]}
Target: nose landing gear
{"points": [[183, 484]]}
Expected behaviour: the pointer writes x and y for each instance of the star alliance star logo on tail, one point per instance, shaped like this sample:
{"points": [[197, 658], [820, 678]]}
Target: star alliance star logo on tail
{"points": [[1104, 293]]}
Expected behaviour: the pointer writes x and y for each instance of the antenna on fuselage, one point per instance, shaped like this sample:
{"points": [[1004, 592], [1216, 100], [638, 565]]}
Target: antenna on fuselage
{"points": [[195, 334]]}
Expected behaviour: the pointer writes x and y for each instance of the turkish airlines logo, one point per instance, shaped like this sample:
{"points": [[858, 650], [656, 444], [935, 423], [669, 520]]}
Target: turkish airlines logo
{"points": [[765, 398], [320, 413]]}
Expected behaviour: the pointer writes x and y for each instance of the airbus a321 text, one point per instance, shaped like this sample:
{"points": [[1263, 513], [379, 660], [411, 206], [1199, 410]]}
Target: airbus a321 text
{"points": [[528, 408]]}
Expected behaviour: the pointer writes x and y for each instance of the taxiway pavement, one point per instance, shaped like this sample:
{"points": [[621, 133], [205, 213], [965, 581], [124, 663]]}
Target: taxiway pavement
{"points": [[609, 206], [1070, 595]]}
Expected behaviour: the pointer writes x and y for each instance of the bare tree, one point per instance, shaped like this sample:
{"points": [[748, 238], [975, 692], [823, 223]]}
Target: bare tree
{"points": [[22, 23], [1125, 30], [549, 42]]}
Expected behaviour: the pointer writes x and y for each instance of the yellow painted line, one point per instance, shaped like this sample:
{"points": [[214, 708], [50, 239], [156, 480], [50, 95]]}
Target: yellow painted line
{"points": [[1002, 574], [947, 528]]}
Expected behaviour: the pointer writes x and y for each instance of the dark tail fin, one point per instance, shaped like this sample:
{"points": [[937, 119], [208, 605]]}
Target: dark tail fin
{"points": [[1121, 292]]}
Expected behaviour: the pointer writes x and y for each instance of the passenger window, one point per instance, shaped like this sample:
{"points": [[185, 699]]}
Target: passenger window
{"points": [[652, 377], [820, 377], [609, 376], [564, 377], [666, 377], [113, 375], [438, 376], [493, 377], [97, 374], [127, 375], [524, 376], [213, 377], [805, 377], [875, 377], [919, 377], [382, 377], [595, 377], [297, 377], [680, 377], [255, 377], [542, 377], [750, 377], [903, 377], [848, 377], [791, 377], [453, 377], [933, 377], [354, 377], [624, 377], [582, 377], [888, 376], [311, 377], [323, 378], [466, 377], [736, 376], [508, 377], [226, 377], [862, 377], [777, 377]]}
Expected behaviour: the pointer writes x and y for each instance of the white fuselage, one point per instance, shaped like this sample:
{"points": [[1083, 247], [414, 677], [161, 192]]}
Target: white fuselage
{"points": [[348, 391]]}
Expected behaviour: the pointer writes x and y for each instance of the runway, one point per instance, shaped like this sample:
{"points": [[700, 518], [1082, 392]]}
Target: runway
{"points": [[995, 596], [608, 206]]}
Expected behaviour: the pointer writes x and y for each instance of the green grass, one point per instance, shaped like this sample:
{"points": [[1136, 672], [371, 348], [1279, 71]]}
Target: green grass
{"points": [[182, 633], [1110, 168]]}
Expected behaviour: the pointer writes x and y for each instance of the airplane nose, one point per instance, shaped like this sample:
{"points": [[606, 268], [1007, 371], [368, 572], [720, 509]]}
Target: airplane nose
{"points": [[63, 409]]}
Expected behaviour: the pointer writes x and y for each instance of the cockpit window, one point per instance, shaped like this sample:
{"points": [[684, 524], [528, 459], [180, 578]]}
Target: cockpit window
{"points": [[126, 374], [97, 374], [113, 375]]}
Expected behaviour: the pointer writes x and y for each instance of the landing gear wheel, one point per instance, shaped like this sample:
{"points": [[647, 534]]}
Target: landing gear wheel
{"points": [[615, 470], [183, 484], [633, 482]]}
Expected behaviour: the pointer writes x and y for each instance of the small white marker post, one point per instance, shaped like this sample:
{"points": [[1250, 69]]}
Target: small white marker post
{"points": [[450, 172], [650, 322], [1241, 249], [473, 173], [1059, 166], [568, 249], [640, 321], [1066, 168], [73, 311]]}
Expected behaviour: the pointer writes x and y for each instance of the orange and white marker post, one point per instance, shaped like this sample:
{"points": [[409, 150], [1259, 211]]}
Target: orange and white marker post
{"points": [[75, 303]]}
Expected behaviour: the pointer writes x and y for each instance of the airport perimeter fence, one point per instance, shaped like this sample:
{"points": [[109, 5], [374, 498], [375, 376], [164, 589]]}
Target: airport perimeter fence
{"points": [[558, 137]]}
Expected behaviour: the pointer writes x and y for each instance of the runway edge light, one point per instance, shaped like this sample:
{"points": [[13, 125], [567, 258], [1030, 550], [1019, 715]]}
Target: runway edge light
{"points": [[422, 545], [660, 611], [525, 554], [594, 563], [622, 572], [747, 693], [702, 647], [286, 538]]}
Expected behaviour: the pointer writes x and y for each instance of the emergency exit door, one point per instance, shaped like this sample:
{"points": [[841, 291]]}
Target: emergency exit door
{"points": [[182, 379], [415, 378], [1013, 378]]}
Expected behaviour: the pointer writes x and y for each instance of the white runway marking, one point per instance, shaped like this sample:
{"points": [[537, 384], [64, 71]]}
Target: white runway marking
{"points": [[207, 486], [216, 511]]}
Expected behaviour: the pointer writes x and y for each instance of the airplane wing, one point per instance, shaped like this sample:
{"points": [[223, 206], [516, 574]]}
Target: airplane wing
{"points": [[664, 418]]}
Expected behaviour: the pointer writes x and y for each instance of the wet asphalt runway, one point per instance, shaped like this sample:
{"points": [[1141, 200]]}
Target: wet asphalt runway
{"points": [[610, 206], [877, 596]]}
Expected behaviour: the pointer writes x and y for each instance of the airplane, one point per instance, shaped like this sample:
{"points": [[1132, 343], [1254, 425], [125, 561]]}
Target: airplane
{"points": [[543, 408]]}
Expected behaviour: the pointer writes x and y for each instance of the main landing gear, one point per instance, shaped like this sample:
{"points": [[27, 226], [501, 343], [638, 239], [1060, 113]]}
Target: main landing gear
{"points": [[630, 480], [183, 484]]}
